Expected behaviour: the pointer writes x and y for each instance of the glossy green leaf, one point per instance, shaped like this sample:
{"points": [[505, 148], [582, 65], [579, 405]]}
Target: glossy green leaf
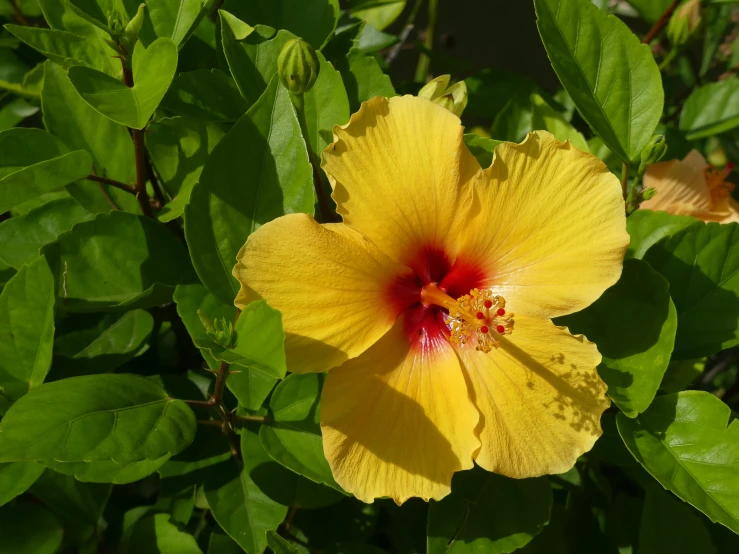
{"points": [[243, 188], [326, 105], [26, 329], [702, 267], [68, 117], [242, 510], [711, 109], [153, 71], [98, 343], [16, 477], [156, 534], [179, 148], [610, 75], [488, 514], [646, 228], [634, 324], [683, 440], [312, 20], [108, 471], [293, 438], [22, 237], [670, 527], [68, 49], [482, 148], [207, 95], [280, 545], [33, 162], [175, 19], [117, 260], [547, 118], [29, 528], [363, 78], [119, 417]]}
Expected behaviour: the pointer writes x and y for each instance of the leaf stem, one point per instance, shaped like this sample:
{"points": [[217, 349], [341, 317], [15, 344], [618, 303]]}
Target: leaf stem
{"points": [[625, 167], [326, 214], [112, 182], [422, 69], [410, 24], [18, 13], [661, 22]]}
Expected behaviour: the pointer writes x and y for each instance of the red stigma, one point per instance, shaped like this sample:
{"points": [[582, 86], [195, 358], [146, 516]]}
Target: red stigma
{"points": [[480, 315], [500, 329], [501, 312], [730, 166], [484, 329], [489, 304]]}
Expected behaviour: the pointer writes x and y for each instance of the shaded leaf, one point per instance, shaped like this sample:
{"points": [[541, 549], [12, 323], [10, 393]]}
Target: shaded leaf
{"points": [[27, 528], [108, 471], [156, 534], [207, 95], [482, 148], [16, 478]]}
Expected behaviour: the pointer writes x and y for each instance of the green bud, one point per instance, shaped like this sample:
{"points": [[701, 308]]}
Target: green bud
{"points": [[653, 152], [131, 32], [684, 23], [297, 66], [220, 331], [648, 193], [116, 22], [453, 98]]}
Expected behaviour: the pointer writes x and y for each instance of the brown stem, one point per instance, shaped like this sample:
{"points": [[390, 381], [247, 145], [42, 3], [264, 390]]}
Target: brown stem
{"points": [[661, 22], [18, 14], [625, 177], [250, 419], [112, 182]]}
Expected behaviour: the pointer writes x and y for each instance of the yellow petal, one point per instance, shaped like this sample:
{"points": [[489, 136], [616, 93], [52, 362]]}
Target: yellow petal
{"points": [[548, 227], [397, 421], [328, 282], [680, 184], [399, 171], [540, 399]]}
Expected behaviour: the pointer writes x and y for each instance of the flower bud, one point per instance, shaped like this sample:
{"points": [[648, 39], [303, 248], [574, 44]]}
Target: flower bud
{"points": [[219, 331], [648, 193], [133, 28], [453, 98], [684, 22], [653, 152], [297, 66]]}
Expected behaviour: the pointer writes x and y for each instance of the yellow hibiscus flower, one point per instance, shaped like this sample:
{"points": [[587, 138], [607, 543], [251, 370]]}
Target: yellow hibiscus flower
{"points": [[431, 303], [692, 187]]}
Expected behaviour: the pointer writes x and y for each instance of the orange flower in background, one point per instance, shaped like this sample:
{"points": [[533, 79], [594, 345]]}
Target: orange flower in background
{"points": [[431, 303], [692, 187]]}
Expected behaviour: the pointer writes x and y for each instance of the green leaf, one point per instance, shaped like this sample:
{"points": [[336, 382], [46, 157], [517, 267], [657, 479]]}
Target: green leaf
{"points": [[179, 148], [156, 534], [382, 15], [702, 266], [488, 514], [27, 528], [26, 329], [363, 78], [77, 506], [68, 117], [670, 527], [717, 20], [221, 543], [482, 148], [101, 343], [118, 417], [326, 105], [684, 442], [33, 162], [634, 324], [117, 260], [243, 188], [547, 118], [610, 75], [22, 237], [293, 437], [711, 109], [239, 506], [108, 471], [68, 49], [207, 95], [651, 10], [646, 228], [153, 71], [191, 467], [176, 19], [312, 20], [260, 341], [280, 545], [490, 90], [514, 121], [16, 478]]}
